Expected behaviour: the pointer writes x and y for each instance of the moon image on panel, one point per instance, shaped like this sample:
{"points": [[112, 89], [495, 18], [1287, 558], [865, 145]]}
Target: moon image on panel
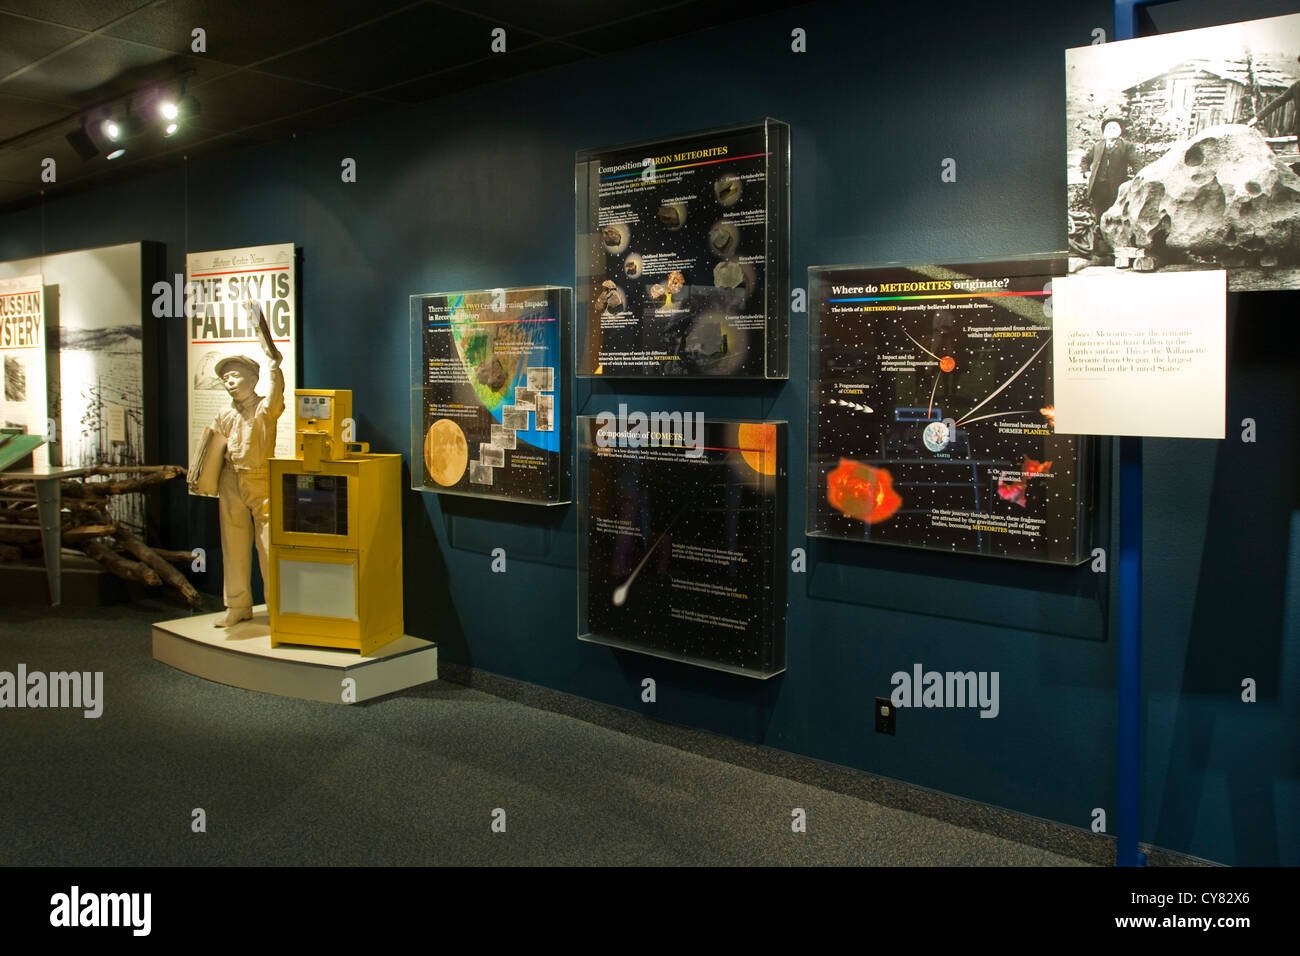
{"points": [[446, 452]]}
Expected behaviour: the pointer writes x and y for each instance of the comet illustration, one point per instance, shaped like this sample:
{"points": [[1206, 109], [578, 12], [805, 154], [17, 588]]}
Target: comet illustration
{"points": [[620, 592], [853, 405]]}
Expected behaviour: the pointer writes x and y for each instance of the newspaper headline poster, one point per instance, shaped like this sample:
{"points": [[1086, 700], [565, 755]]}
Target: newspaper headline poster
{"points": [[931, 418], [682, 256], [681, 532], [23, 403], [489, 377], [220, 288]]}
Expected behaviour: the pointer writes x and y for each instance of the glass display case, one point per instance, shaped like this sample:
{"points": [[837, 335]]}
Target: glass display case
{"points": [[681, 536], [682, 255], [930, 412], [490, 381]]}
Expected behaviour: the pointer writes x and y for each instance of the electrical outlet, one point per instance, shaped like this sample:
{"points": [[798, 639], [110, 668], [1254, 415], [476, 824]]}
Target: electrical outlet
{"points": [[885, 716]]}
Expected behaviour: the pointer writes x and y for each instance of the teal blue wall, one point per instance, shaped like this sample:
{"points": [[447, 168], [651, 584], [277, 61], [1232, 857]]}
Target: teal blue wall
{"points": [[476, 191]]}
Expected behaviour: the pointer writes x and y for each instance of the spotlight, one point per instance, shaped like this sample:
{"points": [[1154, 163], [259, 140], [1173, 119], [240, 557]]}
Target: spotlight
{"points": [[171, 128], [120, 151], [169, 110], [111, 129], [80, 141]]}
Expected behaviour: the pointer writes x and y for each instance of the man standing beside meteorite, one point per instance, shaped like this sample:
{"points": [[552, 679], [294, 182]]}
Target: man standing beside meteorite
{"points": [[1292, 95], [1106, 167], [244, 489]]}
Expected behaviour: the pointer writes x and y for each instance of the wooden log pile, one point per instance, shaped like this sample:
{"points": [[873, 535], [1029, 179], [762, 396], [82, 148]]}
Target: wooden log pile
{"points": [[88, 527]]}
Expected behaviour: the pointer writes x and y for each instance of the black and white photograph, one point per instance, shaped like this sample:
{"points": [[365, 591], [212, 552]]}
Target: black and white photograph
{"points": [[1182, 153]]}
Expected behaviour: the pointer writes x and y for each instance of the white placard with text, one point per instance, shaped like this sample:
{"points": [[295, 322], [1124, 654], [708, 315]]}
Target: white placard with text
{"points": [[1141, 354]]}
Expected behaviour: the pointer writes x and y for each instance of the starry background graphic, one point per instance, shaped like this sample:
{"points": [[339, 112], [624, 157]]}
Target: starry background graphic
{"points": [[849, 343], [704, 303], [715, 502]]}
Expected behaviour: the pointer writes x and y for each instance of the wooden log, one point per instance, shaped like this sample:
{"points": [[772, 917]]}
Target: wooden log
{"points": [[9, 553], [175, 557], [170, 470], [122, 567], [164, 570], [103, 489], [90, 531]]}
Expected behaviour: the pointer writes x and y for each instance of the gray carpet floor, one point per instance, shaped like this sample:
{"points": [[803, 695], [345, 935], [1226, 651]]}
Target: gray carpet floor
{"points": [[410, 779]]}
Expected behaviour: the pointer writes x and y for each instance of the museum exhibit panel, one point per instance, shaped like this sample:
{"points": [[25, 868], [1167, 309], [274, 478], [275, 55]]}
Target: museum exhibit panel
{"points": [[22, 341], [598, 466], [224, 292], [101, 370], [1201, 135], [679, 531], [931, 416], [682, 253], [490, 374]]}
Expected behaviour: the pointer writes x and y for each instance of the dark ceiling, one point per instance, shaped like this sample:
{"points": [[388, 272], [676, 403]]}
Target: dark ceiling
{"points": [[274, 69]]}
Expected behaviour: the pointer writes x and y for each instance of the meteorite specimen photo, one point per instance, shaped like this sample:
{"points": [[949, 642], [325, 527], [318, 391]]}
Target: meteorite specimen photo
{"points": [[727, 189], [672, 215], [615, 237], [723, 238], [610, 298]]}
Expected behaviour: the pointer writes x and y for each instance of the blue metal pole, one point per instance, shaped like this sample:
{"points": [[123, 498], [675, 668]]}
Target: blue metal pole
{"points": [[1128, 778], [1129, 754]]}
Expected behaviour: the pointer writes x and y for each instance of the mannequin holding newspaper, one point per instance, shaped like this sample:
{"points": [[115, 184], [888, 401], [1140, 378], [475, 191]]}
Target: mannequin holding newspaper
{"points": [[232, 458]]}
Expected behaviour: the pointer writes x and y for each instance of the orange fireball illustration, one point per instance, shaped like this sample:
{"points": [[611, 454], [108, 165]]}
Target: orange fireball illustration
{"points": [[860, 491], [758, 446]]}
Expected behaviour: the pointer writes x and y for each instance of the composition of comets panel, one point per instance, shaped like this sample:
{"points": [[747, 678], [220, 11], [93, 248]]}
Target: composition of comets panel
{"points": [[682, 544]]}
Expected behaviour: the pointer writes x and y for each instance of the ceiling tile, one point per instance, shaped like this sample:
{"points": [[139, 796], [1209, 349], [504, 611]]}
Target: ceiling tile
{"points": [[680, 20], [559, 17], [247, 98], [326, 116], [257, 31], [539, 56], [79, 14], [18, 116], [395, 50], [95, 69], [23, 42], [270, 71]]}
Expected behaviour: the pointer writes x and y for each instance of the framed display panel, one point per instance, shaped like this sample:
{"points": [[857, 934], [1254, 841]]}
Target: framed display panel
{"points": [[682, 255], [221, 289], [930, 414], [490, 381], [681, 531], [23, 403], [102, 360], [1181, 153]]}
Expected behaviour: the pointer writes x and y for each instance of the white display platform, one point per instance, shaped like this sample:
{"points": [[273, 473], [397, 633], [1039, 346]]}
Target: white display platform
{"points": [[242, 656]]}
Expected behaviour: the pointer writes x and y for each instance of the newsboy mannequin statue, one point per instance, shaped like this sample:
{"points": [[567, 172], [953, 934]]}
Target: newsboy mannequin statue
{"points": [[244, 491]]}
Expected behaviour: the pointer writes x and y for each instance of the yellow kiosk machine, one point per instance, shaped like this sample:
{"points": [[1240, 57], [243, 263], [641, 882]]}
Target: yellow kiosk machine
{"points": [[336, 534]]}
